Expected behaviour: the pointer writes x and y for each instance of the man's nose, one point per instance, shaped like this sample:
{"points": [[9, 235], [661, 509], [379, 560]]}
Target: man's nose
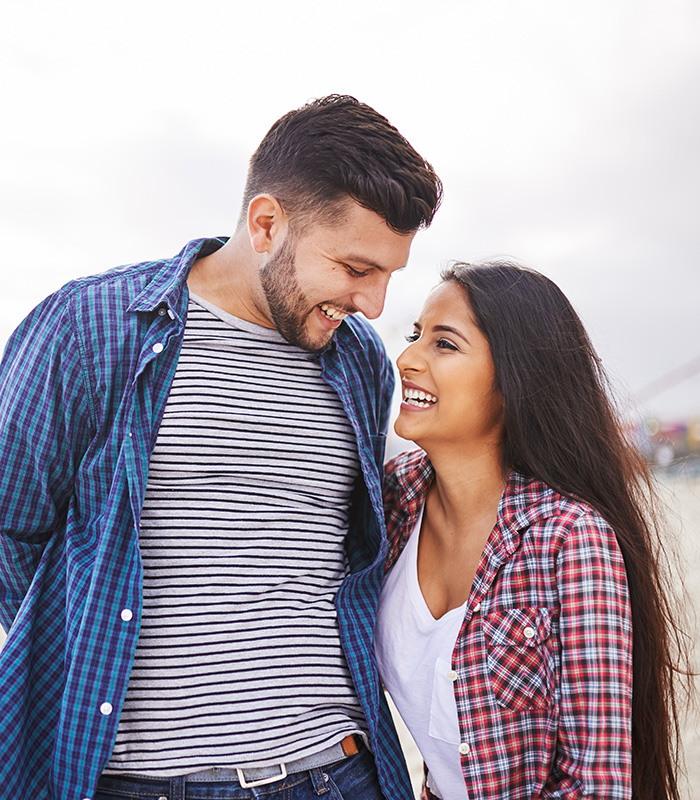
{"points": [[371, 300]]}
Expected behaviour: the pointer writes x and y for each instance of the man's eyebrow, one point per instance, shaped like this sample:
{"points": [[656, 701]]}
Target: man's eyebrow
{"points": [[369, 263]]}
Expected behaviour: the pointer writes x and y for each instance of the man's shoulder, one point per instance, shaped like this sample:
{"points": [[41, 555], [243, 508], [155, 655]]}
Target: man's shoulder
{"points": [[95, 302], [123, 283], [363, 337], [362, 328]]}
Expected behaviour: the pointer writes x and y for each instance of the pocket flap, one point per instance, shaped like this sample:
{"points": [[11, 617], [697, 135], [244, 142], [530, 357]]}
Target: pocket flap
{"points": [[521, 627]]}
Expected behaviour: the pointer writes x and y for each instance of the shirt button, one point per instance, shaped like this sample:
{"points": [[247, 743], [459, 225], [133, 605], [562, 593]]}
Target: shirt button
{"points": [[477, 608], [158, 347], [528, 632], [452, 675], [127, 615], [162, 311], [464, 748], [106, 709]]}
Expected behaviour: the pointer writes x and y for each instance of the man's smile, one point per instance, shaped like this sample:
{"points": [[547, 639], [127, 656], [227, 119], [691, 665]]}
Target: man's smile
{"points": [[332, 312]]}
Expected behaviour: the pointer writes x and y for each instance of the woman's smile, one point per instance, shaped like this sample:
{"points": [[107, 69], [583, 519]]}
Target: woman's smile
{"points": [[415, 398], [448, 357]]}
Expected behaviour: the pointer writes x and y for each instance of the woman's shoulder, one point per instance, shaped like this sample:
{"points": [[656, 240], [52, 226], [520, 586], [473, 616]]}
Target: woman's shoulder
{"points": [[407, 478], [532, 504], [405, 464], [408, 474]]}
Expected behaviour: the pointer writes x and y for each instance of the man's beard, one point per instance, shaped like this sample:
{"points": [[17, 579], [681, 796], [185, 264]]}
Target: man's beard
{"points": [[289, 308]]}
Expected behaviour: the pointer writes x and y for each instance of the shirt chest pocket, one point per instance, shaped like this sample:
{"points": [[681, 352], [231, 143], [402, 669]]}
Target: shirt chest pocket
{"points": [[519, 660]]}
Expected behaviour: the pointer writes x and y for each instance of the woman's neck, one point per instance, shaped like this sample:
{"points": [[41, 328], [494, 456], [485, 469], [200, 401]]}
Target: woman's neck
{"points": [[467, 486], [461, 510]]}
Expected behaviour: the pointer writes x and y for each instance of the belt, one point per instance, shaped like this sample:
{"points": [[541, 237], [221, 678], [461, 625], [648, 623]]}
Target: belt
{"points": [[259, 776]]}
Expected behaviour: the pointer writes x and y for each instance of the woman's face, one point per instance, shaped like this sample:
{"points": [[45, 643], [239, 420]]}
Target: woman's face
{"points": [[448, 379]]}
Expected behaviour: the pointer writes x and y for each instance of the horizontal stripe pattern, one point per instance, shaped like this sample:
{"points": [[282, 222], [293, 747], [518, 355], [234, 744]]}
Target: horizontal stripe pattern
{"points": [[75, 477], [239, 661]]}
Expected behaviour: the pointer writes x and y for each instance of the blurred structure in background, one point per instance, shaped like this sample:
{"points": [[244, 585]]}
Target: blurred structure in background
{"points": [[672, 446]]}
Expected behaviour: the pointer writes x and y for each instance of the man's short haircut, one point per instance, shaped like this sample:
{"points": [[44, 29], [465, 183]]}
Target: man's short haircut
{"points": [[314, 158]]}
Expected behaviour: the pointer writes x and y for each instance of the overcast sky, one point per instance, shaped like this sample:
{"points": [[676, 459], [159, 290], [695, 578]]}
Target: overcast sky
{"points": [[567, 135]]}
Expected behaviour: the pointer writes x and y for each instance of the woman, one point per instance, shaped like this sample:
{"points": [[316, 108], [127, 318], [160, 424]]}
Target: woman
{"points": [[523, 628]]}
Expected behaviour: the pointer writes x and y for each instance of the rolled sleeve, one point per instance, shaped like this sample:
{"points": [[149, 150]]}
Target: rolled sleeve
{"points": [[45, 424], [594, 742]]}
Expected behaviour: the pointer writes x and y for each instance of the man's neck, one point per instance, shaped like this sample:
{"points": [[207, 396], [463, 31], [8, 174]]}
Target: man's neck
{"points": [[227, 279]]}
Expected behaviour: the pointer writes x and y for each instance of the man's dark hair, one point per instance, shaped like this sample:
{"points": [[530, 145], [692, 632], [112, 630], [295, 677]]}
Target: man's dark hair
{"points": [[333, 148]]}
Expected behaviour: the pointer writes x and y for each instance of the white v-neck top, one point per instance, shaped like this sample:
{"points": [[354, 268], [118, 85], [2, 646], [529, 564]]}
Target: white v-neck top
{"points": [[414, 653]]}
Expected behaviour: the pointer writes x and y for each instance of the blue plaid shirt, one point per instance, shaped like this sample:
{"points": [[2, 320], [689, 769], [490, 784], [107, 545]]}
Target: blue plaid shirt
{"points": [[83, 385]]}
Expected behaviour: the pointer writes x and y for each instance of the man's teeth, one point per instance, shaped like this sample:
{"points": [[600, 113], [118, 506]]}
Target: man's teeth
{"points": [[333, 313], [415, 397]]}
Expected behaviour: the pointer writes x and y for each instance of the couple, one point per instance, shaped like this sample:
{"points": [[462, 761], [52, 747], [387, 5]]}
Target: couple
{"points": [[202, 594]]}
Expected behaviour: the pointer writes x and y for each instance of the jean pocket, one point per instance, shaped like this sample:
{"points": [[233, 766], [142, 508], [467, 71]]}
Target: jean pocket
{"points": [[354, 777], [518, 656]]}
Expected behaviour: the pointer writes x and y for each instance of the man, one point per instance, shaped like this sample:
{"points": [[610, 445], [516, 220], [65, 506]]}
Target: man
{"points": [[190, 466]]}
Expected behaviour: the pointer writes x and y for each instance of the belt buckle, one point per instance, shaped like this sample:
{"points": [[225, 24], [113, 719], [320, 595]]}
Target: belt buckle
{"points": [[262, 781]]}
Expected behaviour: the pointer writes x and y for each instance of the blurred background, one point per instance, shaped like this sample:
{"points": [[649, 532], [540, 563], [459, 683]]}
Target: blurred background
{"points": [[567, 135]]}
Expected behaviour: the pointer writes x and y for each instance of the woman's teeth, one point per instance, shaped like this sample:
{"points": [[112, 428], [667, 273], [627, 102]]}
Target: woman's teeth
{"points": [[333, 313], [415, 397]]}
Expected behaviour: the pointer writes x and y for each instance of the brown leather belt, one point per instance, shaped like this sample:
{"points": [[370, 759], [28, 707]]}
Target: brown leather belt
{"points": [[349, 745]]}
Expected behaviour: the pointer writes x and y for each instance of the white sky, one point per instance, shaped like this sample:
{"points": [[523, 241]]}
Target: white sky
{"points": [[567, 135]]}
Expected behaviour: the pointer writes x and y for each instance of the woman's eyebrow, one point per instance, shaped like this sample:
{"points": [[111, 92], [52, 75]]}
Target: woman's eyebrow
{"points": [[448, 329]]}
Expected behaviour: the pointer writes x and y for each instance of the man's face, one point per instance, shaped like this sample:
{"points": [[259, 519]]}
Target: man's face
{"points": [[315, 279]]}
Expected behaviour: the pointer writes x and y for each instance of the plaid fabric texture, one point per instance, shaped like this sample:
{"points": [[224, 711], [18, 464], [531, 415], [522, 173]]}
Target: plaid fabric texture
{"points": [[83, 385], [544, 655]]}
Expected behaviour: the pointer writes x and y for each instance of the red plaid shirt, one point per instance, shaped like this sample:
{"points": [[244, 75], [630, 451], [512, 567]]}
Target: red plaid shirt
{"points": [[544, 655]]}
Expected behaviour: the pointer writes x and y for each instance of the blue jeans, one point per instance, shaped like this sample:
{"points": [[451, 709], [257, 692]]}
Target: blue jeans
{"points": [[353, 778]]}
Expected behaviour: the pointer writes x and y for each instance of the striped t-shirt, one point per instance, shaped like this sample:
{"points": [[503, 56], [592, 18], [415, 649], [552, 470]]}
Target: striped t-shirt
{"points": [[239, 661]]}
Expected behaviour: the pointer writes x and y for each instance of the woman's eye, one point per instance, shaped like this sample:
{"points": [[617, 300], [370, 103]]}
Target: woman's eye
{"points": [[443, 344], [411, 337]]}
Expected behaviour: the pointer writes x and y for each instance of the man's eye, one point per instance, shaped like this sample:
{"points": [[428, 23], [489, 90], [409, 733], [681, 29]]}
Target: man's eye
{"points": [[354, 272], [411, 337], [443, 344]]}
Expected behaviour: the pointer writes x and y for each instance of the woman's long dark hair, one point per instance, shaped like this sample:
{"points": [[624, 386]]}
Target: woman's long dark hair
{"points": [[561, 427]]}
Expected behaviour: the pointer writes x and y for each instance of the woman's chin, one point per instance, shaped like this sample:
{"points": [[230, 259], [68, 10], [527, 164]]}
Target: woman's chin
{"points": [[407, 432]]}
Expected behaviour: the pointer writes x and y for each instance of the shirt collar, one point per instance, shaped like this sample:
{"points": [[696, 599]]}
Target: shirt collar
{"points": [[415, 475], [523, 502], [527, 500], [166, 285]]}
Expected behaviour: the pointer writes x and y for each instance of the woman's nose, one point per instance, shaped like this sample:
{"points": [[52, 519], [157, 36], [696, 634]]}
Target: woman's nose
{"points": [[409, 360]]}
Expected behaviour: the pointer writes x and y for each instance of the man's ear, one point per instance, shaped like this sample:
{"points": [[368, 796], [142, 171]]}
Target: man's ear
{"points": [[267, 223]]}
